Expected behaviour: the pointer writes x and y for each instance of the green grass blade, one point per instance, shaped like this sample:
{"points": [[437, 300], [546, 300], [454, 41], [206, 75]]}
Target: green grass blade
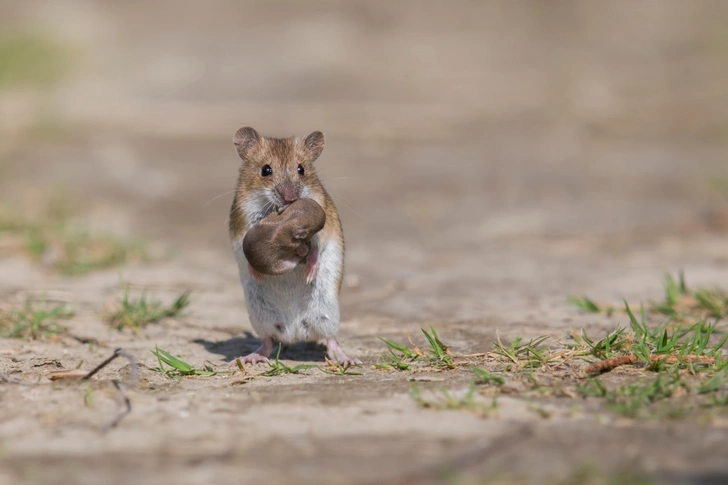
{"points": [[173, 361], [584, 303], [484, 377]]}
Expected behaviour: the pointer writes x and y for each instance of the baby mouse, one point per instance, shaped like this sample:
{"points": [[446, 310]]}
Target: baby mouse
{"points": [[281, 240], [301, 304]]}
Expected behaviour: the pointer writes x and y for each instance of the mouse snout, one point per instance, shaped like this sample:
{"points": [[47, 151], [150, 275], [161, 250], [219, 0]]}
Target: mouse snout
{"points": [[288, 192]]}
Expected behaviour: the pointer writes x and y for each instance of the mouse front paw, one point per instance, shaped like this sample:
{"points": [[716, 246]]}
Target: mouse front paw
{"points": [[311, 272], [312, 265]]}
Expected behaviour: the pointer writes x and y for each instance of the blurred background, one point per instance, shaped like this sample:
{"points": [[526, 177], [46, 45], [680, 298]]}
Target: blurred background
{"points": [[453, 128], [463, 137], [456, 131], [487, 158]]}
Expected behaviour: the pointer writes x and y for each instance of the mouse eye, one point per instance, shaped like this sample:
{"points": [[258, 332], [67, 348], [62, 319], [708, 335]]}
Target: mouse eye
{"points": [[300, 170], [266, 171]]}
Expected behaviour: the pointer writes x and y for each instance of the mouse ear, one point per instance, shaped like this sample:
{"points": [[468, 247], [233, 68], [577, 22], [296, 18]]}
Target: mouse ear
{"points": [[315, 144], [245, 140]]}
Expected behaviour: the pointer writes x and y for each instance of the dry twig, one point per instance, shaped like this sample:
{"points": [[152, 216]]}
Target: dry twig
{"points": [[123, 399]]}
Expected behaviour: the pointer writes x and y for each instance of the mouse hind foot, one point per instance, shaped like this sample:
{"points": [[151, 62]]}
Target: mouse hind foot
{"points": [[334, 352], [260, 355]]}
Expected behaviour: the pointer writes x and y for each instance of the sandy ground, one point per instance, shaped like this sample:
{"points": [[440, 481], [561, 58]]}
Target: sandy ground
{"points": [[470, 201]]}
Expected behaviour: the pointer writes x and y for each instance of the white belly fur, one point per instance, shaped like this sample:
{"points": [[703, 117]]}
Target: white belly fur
{"points": [[285, 308]]}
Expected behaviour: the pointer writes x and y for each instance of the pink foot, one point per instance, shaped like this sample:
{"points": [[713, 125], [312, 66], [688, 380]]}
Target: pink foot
{"points": [[260, 355], [312, 266], [337, 355], [257, 275]]}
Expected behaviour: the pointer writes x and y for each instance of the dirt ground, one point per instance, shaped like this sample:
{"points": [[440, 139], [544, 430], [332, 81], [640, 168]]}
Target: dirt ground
{"points": [[488, 159]]}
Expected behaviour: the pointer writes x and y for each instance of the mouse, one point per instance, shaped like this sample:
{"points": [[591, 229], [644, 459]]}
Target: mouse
{"points": [[281, 240], [302, 304]]}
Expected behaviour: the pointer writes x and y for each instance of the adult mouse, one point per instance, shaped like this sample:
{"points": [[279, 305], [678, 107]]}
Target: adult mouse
{"points": [[303, 303]]}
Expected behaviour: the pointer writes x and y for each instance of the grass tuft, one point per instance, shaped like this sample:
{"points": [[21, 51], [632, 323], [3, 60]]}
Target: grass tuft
{"points": [[79, 252], [584, 303], [713, 301], [485, 377], [660, 340], [607, 346], [530, 354], [51, 238], [34, 320], [31, 58], [674, 352], [278, 368], [178, 367], [680, 303], [136, 314], [337, 368], [668, 394], [439, 353], [401, 357], [445, 400]]}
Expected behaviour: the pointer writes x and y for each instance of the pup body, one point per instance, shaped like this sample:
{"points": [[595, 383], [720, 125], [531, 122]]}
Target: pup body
{"points": [[280, 241], [303, 303]]}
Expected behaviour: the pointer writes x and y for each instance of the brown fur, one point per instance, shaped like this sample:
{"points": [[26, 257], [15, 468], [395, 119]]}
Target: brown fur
{"points": [[283, 155], [279, 241]]}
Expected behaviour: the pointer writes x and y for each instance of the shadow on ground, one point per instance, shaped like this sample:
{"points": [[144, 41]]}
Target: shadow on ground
{"points": [[239, 346]]}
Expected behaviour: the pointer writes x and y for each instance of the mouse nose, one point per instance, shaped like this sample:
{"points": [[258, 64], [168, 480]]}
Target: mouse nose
{"points": [[288, 192]]}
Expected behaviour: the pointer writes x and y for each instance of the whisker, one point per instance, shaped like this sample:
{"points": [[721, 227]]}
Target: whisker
{"points": [[258, 197], [267, 206], [326, 168], [341, 177], [348, 206], [215, 198], [335, 180]]}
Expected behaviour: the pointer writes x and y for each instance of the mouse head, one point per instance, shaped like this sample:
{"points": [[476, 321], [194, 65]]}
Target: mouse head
{"points": [[276, 172]]}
